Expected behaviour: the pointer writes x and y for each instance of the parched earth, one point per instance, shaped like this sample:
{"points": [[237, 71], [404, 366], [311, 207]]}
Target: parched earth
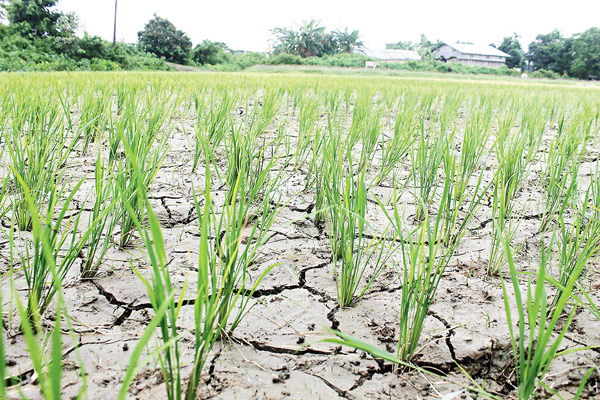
{"points": [[276, 352]]}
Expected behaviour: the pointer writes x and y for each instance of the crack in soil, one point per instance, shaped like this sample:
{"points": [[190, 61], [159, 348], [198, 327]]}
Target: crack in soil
{"points": [[341, 392], [450, 330], [280, 350]]}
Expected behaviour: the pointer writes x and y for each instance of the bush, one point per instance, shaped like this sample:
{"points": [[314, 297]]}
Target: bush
{"points": [[246, 60], [100, 64], [287, 59], [338, 60], [544, 73], [212, 53]]}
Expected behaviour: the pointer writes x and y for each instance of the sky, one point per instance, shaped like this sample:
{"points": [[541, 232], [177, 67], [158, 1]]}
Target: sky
{"points": [[246, 25]]}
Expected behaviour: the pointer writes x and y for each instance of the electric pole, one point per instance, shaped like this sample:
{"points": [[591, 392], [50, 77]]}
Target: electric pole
{"points": [[115, 26]]}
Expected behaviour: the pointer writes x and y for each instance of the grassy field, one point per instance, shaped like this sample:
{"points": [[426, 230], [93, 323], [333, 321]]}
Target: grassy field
{"points": [[298, 233]]}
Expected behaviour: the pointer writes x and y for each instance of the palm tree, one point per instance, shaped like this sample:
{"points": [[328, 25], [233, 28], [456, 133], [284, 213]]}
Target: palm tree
{"points": [[310, 39], [347, 41]]}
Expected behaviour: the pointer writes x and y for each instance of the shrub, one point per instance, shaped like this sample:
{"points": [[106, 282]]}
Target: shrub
{"points": [[544, 73], [246, 60], [288, 59], [100, 64]]}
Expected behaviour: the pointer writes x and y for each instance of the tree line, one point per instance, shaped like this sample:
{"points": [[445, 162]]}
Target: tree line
{"points": [[576, 56], [36, 31]]}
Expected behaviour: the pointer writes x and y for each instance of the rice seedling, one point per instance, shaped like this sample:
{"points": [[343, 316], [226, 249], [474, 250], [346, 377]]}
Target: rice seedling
{"points": [[308, 118], [395, 150], [38, 152], [508, 181], [346, 200], [143, 134], [161, 291], [102, 221], [559, 181], [459, 205], [222, 298], [426, 159], [578, 244], [95, 111], [424, 260], [214, 120], [37, 263], [537, 341]]}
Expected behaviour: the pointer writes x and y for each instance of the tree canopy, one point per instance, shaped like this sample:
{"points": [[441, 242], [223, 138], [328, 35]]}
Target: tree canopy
{"points": [[33, 17], [161, 38], [211, 53], [511, 45], [312, 40]]}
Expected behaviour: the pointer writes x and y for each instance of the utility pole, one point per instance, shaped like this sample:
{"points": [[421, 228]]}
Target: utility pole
{"points": [[115, 26]]}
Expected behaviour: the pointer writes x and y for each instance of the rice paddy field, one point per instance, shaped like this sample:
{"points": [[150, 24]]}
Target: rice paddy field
{"points": [[282, 235]]}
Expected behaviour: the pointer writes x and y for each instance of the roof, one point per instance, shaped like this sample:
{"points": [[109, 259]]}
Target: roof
{"points": [[466, 48], [391, 54]]}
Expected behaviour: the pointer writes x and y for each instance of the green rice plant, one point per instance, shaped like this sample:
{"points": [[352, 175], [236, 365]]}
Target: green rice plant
{"points": [[37, 263], [533, 123], [473, 149], [398, 148], [308, 118], [160, 290], [370, 138], [248, 157], [261, 117], [38, 152], [143, 134], [214, 120], [48, 368], [95, 114], [508, 180], [424, 259], [360, 115], [458, 204], [3, 359], [224, 265], [222, 298], [579, 244], [316, 158], [506, 218], [537, 341], [426, 160], [346, 204], [559, 180], [102, 221]]}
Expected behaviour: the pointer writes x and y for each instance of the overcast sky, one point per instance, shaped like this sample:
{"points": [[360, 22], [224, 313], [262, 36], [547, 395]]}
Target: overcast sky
{"points": [[245, 25]]}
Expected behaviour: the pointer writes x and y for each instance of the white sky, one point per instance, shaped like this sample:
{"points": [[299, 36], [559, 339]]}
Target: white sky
{"points": [[246, 24]]}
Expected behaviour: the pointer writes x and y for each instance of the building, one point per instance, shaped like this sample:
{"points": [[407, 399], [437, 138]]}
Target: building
{"points": [[390, 55], [471, 54]]}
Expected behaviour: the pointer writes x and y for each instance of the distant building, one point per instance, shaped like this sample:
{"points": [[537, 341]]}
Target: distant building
{"points": [[471, 54], [389, 55]]}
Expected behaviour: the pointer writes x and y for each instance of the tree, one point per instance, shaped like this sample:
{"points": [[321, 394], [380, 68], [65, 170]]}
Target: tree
{"points": [[347, 41], [511, 46], [312, 40], [161, 38], [552, 52], [211, 53], [33, 17], [586, 51]]}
